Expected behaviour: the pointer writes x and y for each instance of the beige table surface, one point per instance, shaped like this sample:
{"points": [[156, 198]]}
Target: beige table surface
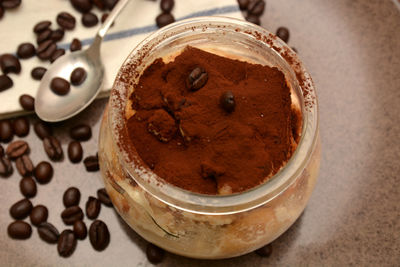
{"points": [[352, 50]]}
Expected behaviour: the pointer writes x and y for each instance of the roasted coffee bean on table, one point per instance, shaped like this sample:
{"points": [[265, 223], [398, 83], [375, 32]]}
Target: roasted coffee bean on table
{"points": [[43, 172], [57, 35], [43, 36], [75, 152], [91, 163], [167, 5], [80, 230], [256, 7], [10, 64], [37, 73], [41, 26], [16, 149], [253, 19], [75, 45], [243, 4], [9, 4], [264, 251], [81, 132], [42, 129], [5, 82], [6, 168], [26, 50], [71, 197], [66, 243], [110, 3], [39, 214], [93, 207], [104, 17], [103, 197], [78, 76], [21, 209], [283, 33], [1, 12], [24, 165], [99, 235], [19, 230], [164, 19], [28, 187], [27, 102], [48, 232], [46, 49], [227, 101], [66, 21], [154, 253], [53, 148], [6, 131], [60, 86], [21, 126], [99, 3], [72, 214], [197, 78], [58, 53], [82, 6], [89, 19]]}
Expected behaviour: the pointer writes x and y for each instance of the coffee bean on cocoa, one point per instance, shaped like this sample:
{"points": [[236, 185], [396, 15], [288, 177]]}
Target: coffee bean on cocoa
{"points": [[75, 152], [26, 50], [48, 232], [66, 21], [6, 168], [256, 7], [264, 251], [103, 197], [197, 78], [72, 214], [16, 149], [41, 26], [52, 147], [60, 86], [164, 19], [91, 163], [167, 5], [43, 36], [46, 49], [99, 235], [43, 172], [75, 45], [154, 254], [24, 165], [283, 33], [39, 214], [227, 101], [71, 197], [66, 243], [27, 102], [10, 64], [243, 4], [89, 19], [6, 131], [9, 4], [82, 6], [253, 19], [58, 53], [92, 208], [57, 35], [21, 126], [38, 73], [5, 82], [42, 129], [28, 187], [80, 230], [19, 230], [21, 209], [81, 132], [78, 76]]}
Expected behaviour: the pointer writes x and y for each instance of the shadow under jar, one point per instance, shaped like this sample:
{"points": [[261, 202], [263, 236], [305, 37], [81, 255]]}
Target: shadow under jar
{"points": [[192, 224]]}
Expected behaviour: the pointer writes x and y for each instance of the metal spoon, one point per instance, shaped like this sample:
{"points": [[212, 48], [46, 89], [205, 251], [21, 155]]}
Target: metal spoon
{"points": [[52, 107]]}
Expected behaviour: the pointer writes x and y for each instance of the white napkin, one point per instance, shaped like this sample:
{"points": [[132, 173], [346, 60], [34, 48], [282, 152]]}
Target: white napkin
{"points": [[135, 22]]}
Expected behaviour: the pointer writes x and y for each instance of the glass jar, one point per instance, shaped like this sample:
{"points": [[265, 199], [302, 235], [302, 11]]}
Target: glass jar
{"points": [[208, 226]]}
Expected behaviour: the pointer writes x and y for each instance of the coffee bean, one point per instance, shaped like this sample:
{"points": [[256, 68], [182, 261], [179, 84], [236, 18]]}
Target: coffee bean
{"points": [[154, 254], [72, 214], [197, 79], [42, 129], [1, 12], [52, 147], [71, 197], [253, 19], [48, 232], [164, 19], [39, 215], [104, 17], [41, 26], [75, 45], [58, 53], [283, 33], [82, 6], [21, 209], [10, 64], [91, 163], [167, 5], [89, 19], [110, 4], [57, 35], [66, 21], [256, 7], [24, 165], [104, 197], [43, 172], [28, 187], [43, 36], [78, 76], [265, 251], [5, 82], [38, 73], [46, 49], [26, 50], [75, 152], [9, 4], [6, 168], [99, 3], [80, 230], [81, 132], [99, 235], [1, 151], [92, 208], [243, 4], [60, 86], [27, 102], [6, 131], [19, 230], [21, 126], [16, 149], [66, 243], [227, 101]]}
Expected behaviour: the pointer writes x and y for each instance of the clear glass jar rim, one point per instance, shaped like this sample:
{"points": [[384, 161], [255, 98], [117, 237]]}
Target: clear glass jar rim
{"points": [[213, 204]]}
